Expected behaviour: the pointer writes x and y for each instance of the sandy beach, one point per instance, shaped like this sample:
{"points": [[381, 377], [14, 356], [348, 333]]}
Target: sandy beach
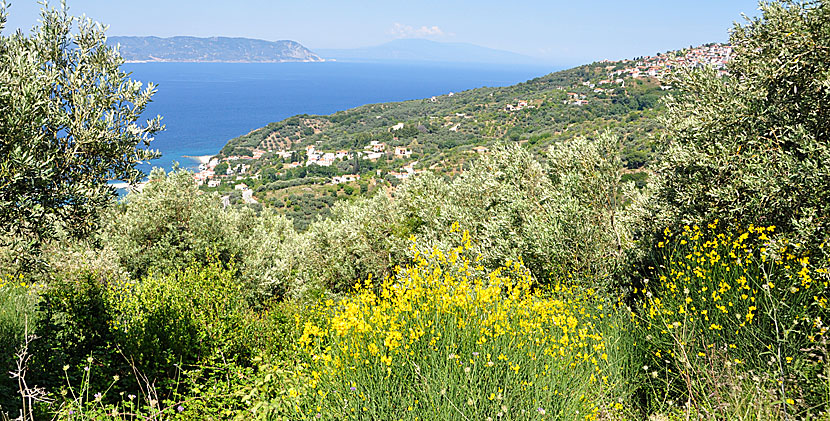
{"points": [[203, 159]]}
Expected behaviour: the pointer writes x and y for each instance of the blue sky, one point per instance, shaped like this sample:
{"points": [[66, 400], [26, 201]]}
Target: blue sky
{"points": [[565, 32]]}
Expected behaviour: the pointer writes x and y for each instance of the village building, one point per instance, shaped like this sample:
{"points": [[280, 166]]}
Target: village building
{"points": [[284, 154], [376, 146], [373, 155], [347, 178], [402, 152]]}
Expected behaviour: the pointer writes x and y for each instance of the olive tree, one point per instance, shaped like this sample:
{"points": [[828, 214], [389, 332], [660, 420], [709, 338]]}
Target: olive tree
{"points": [[752, 147], [68, 125]]}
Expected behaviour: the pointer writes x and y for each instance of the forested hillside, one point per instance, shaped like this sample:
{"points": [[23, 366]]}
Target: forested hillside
{"points": [[386, 143]]}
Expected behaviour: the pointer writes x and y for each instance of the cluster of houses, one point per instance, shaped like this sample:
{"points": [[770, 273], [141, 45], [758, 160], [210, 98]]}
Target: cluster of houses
{"points": [[324, 159], [407, 171], [576, 99], [714, 55], [207, 171], [374, 150], [518, 107]]}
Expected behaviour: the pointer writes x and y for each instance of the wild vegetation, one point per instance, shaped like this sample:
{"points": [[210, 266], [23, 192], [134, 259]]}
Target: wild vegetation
{"points": [[537, 283]]}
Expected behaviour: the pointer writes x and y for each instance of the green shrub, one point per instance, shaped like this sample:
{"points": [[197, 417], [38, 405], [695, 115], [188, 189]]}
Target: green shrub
{"points": [[185, 318], [170, 224], [753, 146], [73, 325]]}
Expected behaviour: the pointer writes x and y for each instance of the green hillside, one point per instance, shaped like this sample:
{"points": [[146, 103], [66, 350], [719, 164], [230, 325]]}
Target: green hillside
{"points": [[442, 132]]}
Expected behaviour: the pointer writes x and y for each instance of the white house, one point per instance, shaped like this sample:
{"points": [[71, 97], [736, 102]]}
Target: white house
{"points": [[374, 155], [347, 178], [402, 152]]}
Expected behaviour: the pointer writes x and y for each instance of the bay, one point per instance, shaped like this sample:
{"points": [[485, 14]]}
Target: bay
{"points": [[206, 104]]}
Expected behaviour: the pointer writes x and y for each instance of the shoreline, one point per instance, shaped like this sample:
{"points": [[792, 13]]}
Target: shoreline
{"points": [[202, 159]]}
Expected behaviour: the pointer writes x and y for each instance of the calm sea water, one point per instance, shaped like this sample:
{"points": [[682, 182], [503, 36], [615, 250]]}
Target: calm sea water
{"points": [[206, 104]]}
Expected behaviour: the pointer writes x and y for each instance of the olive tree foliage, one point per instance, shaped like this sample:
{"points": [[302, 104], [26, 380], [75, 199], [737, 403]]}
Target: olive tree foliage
{"points": [[68, 118], [752, 147], [561, 219], [170, 224], [367, 237]]}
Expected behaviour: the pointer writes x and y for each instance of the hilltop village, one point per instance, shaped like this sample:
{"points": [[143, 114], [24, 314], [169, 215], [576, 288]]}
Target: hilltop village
{"points": [[317, 159]]}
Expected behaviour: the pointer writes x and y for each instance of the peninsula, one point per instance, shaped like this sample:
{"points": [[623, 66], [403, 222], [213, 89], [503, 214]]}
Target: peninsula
{"points": [[214, 49]]}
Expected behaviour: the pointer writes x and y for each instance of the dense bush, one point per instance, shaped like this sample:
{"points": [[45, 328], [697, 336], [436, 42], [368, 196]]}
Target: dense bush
{"points": [[752, 146], [74, 323], [170, 224], [181, 319], [173, 334]]}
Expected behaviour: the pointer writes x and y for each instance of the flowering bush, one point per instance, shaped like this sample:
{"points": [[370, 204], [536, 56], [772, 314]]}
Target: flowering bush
{"points": [[446, 339], [724, 311]]}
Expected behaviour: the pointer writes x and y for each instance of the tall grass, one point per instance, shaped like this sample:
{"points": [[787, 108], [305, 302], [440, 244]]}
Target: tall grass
{"points": [[17, 312], [735, 324]]}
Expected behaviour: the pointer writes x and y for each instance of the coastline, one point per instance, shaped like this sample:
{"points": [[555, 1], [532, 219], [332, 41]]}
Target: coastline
{"points": [[202, 159]]}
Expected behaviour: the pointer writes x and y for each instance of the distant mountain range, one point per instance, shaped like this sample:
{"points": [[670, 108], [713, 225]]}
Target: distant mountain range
{"points": [[426, 50], [215, 49]]}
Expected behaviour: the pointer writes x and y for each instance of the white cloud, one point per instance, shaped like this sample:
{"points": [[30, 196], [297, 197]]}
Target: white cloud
{"points": [[400, 30]]}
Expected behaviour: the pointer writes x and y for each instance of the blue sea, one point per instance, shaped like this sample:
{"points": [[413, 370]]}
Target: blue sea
{"points": [[205, 104]]}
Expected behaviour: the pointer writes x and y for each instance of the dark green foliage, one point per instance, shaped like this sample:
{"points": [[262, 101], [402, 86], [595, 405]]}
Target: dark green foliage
{"points": [[222, 168], [639, 178], [74, 323], [163, 327], [303, 209], [183, 318]]}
